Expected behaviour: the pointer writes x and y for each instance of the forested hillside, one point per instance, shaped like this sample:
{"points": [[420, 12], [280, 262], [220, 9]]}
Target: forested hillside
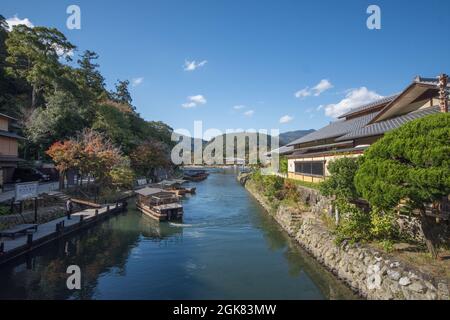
{"points": [[56, 92]]}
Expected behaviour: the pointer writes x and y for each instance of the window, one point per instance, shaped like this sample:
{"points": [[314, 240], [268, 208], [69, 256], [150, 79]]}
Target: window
{"points": [[312, 168]]}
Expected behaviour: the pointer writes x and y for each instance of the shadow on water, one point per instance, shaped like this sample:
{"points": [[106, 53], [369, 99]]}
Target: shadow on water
{"points": [[226, 248]]}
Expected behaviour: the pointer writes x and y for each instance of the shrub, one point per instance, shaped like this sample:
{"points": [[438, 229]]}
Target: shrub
{"points": [[340, 182], [355, 224], [359, 226], [411, 164], [383, 225], [283, 165], [273, 187]]}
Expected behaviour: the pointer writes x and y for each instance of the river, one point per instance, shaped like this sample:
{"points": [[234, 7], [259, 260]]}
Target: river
{"points": [[226, 248]]}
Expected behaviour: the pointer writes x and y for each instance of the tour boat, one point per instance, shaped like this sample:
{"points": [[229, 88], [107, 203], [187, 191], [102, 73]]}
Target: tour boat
{"points": [[176, 187], [159, 204], [195, 175]]}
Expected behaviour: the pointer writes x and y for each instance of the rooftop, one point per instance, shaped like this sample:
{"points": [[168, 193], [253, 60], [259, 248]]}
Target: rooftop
{"points": [[147, 191], [367, 107], [336, 129], [381, 127]]}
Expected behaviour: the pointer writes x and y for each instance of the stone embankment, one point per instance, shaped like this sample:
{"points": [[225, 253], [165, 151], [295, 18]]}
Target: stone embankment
{"points": [[371, 273]]}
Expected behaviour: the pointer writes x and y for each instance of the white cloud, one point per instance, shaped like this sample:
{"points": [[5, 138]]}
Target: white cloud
{"points": [[137, 81], [239, 107], [322, 86], [192, 65], [320, 107], [15, 21], [188, 105], [286, 119], [303, 93], [249, 113], [353, 99], [317, 90], [198, 99], [194, 101]]}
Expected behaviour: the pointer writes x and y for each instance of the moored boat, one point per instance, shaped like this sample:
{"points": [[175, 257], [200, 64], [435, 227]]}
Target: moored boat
{"points": [[159, 204], [195, 175], [176, 187]]}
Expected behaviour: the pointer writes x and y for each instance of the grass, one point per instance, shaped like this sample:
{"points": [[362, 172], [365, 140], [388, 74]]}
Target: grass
{"points": [[306, 184]]}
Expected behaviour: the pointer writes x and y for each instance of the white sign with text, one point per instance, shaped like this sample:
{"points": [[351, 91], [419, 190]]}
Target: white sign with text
{"points": [[26, 190]]}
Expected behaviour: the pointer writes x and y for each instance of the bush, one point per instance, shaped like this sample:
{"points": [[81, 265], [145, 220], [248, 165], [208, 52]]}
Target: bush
{"points": [[273, 187], [359, 226], [283, 165], [355, 224], [383, 225], [340, 182], [410, 164]]}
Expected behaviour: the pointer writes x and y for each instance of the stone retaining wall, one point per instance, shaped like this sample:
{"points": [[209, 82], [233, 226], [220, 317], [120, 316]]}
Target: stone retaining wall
{"points": [[44, 215], [373, 274]]}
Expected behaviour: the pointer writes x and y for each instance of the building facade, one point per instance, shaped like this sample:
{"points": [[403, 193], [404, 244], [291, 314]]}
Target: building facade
{"points": [[356, 130], [9, 153]]}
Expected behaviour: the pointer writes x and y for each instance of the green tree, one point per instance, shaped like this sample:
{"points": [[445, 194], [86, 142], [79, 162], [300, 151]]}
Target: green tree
{"points": [[149, 156], [59, 120], [90, 72], [115, 125], [122, 93], [33, 55], [410, 164], [283, 164], [340, 182]]}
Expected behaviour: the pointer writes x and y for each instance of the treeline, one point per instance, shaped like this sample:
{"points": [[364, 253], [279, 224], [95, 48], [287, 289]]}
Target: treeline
{"points": [[56, 95]]}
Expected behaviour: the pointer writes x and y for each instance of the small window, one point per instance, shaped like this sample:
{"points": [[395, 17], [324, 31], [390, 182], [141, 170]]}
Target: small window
{"points": [[311, 168]]}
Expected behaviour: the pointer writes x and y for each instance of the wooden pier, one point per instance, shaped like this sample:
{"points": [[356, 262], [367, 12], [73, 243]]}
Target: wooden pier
{"points": [[55, 229]]}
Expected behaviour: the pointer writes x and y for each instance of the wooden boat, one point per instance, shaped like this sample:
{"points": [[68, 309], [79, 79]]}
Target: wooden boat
{"points": [[176, 187], [159, 204], [195, 175]]}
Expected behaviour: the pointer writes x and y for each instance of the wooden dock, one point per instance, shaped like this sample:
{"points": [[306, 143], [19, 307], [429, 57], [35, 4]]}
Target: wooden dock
{"points": [[55, 229]]}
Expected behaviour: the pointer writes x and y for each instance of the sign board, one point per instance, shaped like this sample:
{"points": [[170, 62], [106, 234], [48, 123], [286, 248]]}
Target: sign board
{"points": [[142, 181], [26, 190]]}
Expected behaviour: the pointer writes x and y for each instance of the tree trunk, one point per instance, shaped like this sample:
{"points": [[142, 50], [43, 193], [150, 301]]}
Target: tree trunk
{"points": [[61, 180], [33, 97], [427, 225]]}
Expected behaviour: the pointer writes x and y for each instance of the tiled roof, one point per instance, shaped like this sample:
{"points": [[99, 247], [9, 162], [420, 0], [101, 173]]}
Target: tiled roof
{"points": [[9, 134], [336, 129], [369, 105], [297, 155], [381, 127], [428, 81], [8, 117]]}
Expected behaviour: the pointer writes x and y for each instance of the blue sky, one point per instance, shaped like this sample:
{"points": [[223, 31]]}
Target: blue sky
{"points": [[256, 54]]}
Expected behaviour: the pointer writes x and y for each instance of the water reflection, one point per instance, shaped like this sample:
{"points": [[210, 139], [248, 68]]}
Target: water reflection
{"points": [[227, 248]]}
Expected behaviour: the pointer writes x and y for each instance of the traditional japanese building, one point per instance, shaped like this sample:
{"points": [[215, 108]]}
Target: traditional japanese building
{"points": [[356, 130], [9, 156]]}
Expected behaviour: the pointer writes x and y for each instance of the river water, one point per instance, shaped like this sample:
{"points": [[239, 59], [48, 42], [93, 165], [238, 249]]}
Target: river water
{"points": [[226, 248]]}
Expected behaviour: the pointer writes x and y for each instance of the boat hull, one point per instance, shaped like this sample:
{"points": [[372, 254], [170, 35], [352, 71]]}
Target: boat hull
{"points": [[169, 215]]}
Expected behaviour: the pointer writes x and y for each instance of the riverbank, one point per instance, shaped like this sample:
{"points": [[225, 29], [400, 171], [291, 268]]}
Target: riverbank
{"points": [[369, 272], [227, 247]]}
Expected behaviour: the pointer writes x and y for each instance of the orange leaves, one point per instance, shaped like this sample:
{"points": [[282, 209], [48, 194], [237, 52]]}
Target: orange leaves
{"points": [[90, 153], [66, 154]]}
